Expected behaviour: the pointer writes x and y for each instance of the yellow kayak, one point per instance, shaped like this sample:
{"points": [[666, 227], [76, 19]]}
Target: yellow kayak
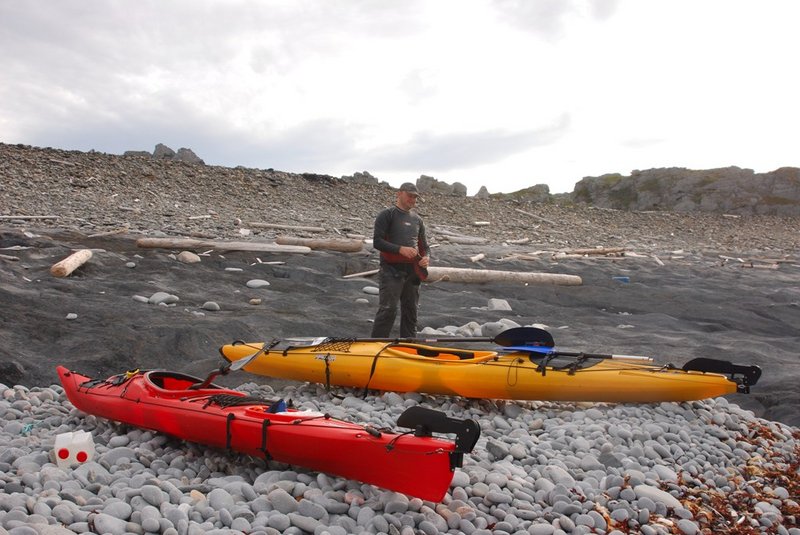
{"points": [[522, 373]]}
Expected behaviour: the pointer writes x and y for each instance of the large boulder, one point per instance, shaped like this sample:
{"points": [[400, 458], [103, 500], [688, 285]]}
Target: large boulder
{"points": [[137, 153], [428, 184], [188, 156], [459, 189], [540, 193], [162, 152], [361, 178], [483, 193]]}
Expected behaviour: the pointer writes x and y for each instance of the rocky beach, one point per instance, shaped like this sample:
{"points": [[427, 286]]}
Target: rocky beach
{"points": [[673, 286]]}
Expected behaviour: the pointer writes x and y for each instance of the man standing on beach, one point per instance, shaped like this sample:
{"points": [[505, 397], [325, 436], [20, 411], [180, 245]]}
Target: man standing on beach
{"points": [[399, 235]]}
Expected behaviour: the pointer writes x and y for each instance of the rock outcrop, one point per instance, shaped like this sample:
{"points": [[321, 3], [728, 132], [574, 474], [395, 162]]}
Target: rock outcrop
{"points": [[428, 184], [726, 190], [163, 152], [363, 177], [540, 193]]}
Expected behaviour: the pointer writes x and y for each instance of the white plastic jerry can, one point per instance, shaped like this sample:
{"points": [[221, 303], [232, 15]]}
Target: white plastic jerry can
{"points": [[73, 448]]}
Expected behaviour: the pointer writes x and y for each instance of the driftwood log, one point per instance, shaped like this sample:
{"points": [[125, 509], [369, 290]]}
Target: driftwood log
{"points": [[466, 240], [594, 251], [486, 275], [540, 218], [71, 263], [26, 217], [255, 224], [362, 274], [220, 245], [344, 246]]}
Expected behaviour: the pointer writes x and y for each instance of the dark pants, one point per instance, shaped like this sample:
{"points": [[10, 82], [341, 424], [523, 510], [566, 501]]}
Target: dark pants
{"points": [[398, 285]]}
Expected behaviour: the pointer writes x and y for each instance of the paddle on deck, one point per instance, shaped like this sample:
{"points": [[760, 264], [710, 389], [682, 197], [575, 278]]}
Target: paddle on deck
{"points": [[516, 336], [529, 337]]}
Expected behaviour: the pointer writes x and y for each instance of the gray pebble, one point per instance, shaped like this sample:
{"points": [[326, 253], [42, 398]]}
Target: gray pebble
{"points": [[282, 501], [688, 527], [303, 522], [311, 509], [108, 524]]}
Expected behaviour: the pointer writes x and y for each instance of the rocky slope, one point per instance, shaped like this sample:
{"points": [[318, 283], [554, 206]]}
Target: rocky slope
{"points": [[95, 192]]}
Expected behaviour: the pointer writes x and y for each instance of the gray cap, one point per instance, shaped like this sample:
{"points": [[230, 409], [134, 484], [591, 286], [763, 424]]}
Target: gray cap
{"points": [[409, 187]]}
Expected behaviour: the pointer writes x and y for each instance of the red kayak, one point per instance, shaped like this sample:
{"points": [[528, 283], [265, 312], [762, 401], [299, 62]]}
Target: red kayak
{"points": [[412, 462]]}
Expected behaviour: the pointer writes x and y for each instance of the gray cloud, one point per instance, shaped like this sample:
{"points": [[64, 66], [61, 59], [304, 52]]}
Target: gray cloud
{"points": [[91, 62], [434, 152], [314, 146]]}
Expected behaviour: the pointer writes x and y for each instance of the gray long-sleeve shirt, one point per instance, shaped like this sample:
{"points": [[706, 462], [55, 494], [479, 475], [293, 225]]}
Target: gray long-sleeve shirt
{"points": [[395, 228]]}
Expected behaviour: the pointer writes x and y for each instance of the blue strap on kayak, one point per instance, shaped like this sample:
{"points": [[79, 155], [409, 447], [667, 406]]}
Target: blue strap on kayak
{"points": [[528, 349]]}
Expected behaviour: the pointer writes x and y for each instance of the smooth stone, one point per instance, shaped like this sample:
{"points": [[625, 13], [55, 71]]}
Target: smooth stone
{"points": [[188, 257], [163, 298], [657, 495]]}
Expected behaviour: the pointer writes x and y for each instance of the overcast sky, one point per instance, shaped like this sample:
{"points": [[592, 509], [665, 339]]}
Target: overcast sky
{"points": [[498, 93]]}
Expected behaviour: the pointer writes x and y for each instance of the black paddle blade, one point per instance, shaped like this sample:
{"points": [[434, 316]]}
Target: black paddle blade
{"points": [[525, 336]]}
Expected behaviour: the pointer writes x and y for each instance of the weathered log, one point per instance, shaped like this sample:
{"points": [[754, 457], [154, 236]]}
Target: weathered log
{"points": [[596, 250], [446, 232], [71, 263], [344, 246], [466, 240], [361, 274], [285, 227], [486, 275], [220, 245], [479, 256], [540, 218], [759, 266], [24, 217]]}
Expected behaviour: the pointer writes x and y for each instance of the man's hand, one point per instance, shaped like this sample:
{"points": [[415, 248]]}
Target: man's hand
{"points": [[409, 252], [424, 261]]}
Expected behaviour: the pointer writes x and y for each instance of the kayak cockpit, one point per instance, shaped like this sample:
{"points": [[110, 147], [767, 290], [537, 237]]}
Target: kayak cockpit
{"points": [[174, 384], [442, 353]]}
